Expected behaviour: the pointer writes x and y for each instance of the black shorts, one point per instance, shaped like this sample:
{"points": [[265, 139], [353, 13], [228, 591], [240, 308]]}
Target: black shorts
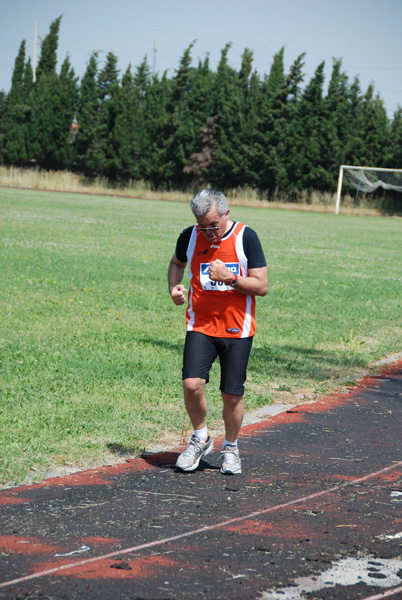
{"points": [[200, 352]]}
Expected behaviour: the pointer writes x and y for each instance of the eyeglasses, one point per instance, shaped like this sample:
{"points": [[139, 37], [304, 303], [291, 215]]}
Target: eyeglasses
{"points": [[207, 228]]}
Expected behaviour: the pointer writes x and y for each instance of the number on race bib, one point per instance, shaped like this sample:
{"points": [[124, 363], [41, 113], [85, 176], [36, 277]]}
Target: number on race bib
{"points": [[216, 286]]}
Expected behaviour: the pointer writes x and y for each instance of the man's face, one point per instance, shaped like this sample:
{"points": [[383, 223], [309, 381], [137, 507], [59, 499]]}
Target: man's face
{"points": [[213, 226]]}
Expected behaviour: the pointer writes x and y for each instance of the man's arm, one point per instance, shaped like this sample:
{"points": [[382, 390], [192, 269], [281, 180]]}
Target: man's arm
{"points": [[175, 276], [255, 284]]}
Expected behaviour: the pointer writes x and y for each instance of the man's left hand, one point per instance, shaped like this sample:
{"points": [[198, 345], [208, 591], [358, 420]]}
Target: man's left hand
{"points": [[218, 271]]}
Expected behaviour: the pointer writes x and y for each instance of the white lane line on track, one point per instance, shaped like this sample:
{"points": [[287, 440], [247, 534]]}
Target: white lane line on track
{"points": [[386, 594], [187, 534]]}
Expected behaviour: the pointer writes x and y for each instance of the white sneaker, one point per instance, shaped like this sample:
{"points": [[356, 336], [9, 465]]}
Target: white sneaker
{"points": [[190, 458], [231, 461]]}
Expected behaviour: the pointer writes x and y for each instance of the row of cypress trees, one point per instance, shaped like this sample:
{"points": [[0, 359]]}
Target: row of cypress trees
{"points": [[224, 128]]}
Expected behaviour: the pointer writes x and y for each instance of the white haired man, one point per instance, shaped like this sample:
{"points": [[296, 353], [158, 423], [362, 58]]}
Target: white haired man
{"points": [[227, 270]]}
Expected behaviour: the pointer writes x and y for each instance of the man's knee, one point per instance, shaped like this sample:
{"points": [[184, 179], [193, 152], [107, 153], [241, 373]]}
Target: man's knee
{"points": [[193, 385], [231, 400]]}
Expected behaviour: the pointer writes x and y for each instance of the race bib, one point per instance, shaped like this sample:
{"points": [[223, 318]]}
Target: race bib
{"points": [[216, 286]]}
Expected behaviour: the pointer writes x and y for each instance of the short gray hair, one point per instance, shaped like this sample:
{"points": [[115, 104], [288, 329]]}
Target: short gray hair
{"points": [[205, 200]]}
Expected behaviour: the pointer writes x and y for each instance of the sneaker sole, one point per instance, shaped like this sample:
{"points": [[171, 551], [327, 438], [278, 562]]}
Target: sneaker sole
{"points": [[195, 465], [230, 472]]}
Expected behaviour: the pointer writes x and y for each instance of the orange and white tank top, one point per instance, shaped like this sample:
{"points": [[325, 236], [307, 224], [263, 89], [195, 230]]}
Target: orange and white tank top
{"points": [[214, 308]]}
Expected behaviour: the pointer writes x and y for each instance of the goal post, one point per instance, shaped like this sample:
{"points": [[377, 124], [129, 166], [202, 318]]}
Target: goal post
{"points": [[368, 179]]}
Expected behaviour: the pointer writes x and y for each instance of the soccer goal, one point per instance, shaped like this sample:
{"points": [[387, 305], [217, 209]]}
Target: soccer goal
{"points": [[368, 179]]}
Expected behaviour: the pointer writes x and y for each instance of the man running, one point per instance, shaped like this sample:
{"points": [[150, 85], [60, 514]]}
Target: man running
{"points": [[227, 270]]}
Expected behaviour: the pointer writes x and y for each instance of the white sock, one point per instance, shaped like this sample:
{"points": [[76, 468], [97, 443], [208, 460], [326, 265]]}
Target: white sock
{"points": [[231, 444], [201, 434]]}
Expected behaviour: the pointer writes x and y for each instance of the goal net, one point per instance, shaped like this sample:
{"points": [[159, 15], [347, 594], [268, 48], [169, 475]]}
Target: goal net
{"points": [[368, 179]]}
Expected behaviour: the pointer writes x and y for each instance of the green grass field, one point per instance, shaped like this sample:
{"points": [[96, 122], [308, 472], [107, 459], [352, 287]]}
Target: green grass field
{"points": [[91, 343]]}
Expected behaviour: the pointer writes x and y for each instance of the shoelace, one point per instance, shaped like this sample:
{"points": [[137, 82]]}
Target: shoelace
{"points": [[230, 455], [189, 449]]}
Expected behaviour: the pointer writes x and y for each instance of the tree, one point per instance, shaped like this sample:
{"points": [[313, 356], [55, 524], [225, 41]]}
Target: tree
{"points": [[28, 82], [154, 109], [90, 148], [226, 169], [142, 135], [200, 161], [250, 148], [294, 79], [275, 83], [66, 104], [108, 91], [200, 108], [249, 143], [353, 142], [287, 158], [372, 125], [246, 68], [393, 157], [53, 100], [54, 104], [200, 99], [337, 127], [181, 130], [304, 167], [15, 115], [3, 102], [129, 131], [48, 55], [272, 126]]}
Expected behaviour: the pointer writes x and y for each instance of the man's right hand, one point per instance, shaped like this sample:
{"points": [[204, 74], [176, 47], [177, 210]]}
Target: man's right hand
{"points": [[177, 294]]}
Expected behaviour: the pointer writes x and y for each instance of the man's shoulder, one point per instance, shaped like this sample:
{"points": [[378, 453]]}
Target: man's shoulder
{"points": [[249, 233], [185, 235], [253, 249], [183, 242]]}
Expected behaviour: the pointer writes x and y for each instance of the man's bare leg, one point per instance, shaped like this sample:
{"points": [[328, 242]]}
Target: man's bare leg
{"points": [[196, 406], [233, 414], [195, 401]]}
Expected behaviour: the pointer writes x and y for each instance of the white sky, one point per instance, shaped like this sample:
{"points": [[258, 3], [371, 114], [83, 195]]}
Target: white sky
{"points": [[365, 34]]}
